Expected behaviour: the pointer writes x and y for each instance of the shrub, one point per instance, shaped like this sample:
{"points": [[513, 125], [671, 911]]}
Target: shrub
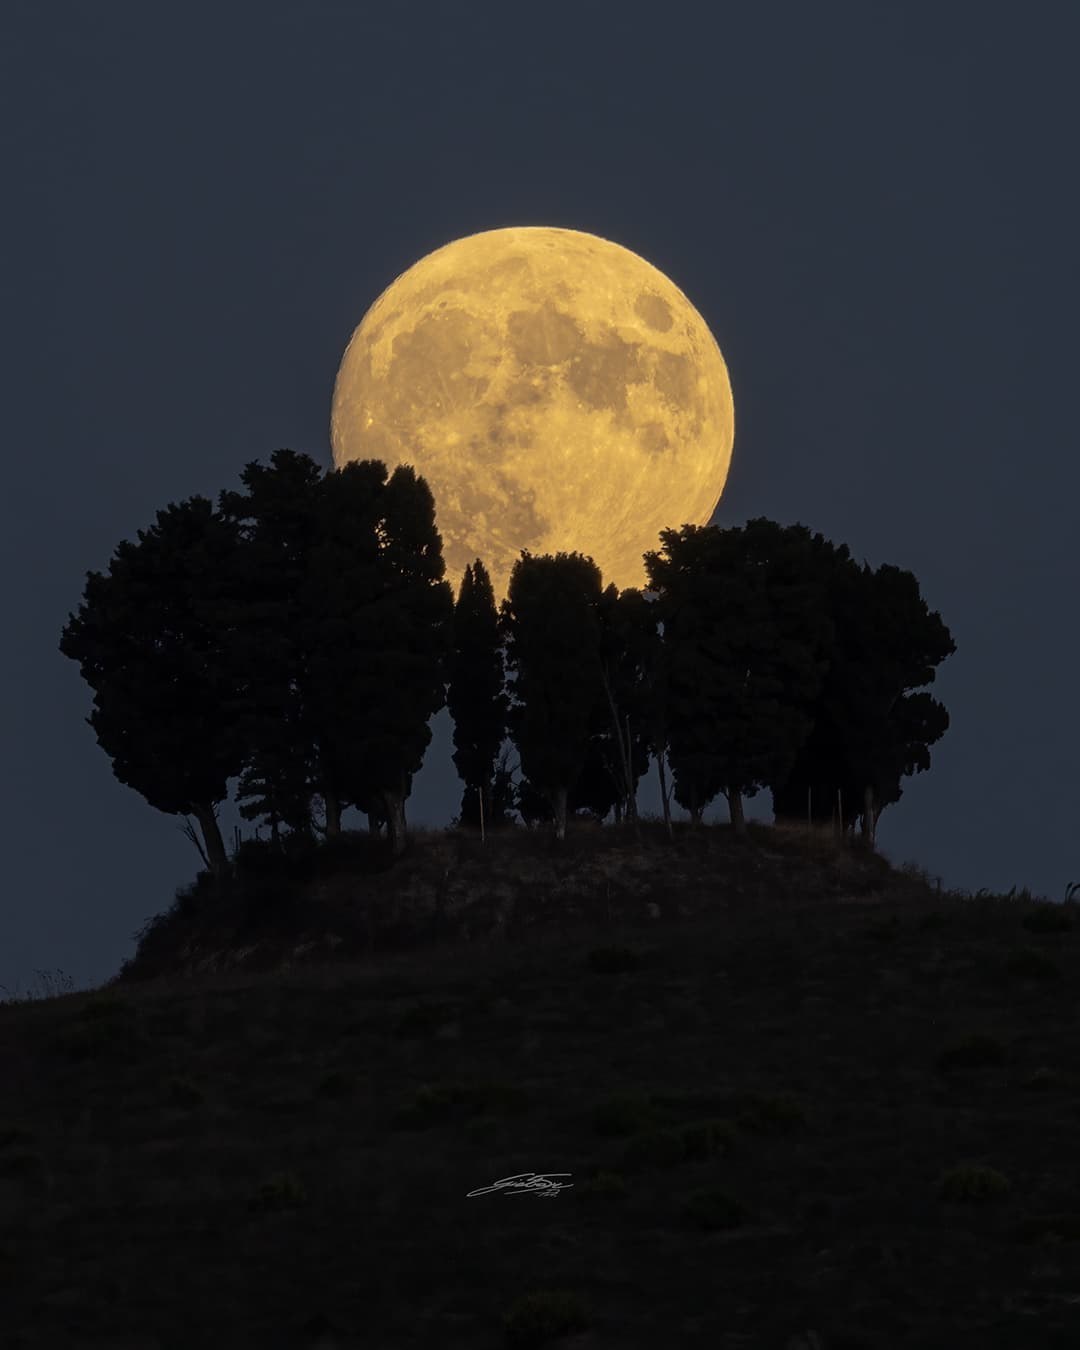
{"points": [[1047, 919], [622, 1115], [1031, 964], [973, 1184], [281, 1191], [14, 1134], [935, 920], [654, 1148], [1042, 1079], [883, 930], [708, 1138], [972, 1052], [770, 1115], [337, 1086], [183, 1092], [434, 1104], [540, 1317], [105, 1006], [22, 1163], [100, 1037], [423, 1017], [613, 960], [605, 1186], [714, 1209], [1048, 1228]]}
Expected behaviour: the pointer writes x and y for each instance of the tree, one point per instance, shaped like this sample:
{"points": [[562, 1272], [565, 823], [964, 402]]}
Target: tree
{"points": [[552, 632], [869, 728], [152, 643], [271, 640], [745, 640], [476, 693], [628, 646], [382, 617]]}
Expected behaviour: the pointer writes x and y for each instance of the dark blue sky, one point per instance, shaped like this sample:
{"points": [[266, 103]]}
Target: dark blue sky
{"points": [[874, 207]]}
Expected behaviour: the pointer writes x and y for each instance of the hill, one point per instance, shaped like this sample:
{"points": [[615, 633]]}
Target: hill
{"points": [[795, 1098]]}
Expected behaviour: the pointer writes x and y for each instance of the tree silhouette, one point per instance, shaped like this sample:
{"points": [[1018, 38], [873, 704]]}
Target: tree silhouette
{"points": [[745, 637], [869, 729], [382, 615], [151, 643], [476, 693], [552, 632], [271, 638]]}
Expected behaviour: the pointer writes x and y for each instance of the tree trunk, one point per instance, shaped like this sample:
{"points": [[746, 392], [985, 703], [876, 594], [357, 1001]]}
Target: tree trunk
{"points": [[618, 811], [333, 813], [373, 823], [735, 810], [395, 821], [869, 819], [215, 846], [664, 794], [560, 812]]}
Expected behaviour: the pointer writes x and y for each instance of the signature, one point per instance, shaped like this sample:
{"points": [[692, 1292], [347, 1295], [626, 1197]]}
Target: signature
{"points": [[521, 1183]]}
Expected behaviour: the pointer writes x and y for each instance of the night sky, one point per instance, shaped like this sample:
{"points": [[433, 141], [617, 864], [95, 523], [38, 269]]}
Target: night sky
{"points": [[873, 206]]}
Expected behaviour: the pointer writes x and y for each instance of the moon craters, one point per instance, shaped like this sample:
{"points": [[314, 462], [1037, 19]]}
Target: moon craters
{"points": [[653, 311], [544, 336]]}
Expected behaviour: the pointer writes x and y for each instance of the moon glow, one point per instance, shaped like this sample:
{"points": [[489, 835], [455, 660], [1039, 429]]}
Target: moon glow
{"points": [[557, 392]]}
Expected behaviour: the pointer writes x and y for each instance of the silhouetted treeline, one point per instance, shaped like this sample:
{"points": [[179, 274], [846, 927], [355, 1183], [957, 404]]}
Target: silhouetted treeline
{"points": [[299, 637]]}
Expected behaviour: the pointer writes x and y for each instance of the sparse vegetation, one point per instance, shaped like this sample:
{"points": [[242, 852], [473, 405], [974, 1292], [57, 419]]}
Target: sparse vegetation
{"points": [[342, 1106], [540, 1317], [973, 1184]]}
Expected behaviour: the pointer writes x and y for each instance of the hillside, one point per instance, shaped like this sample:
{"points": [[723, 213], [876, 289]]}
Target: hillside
{"points": [[801, 1099]]}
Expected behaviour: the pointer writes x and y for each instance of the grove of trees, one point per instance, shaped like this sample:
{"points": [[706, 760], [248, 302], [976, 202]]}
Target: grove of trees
{"points": [[298, 637]]}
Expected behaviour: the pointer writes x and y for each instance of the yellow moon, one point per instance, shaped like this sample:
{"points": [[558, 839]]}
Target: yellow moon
{"points": [[557, 392]]}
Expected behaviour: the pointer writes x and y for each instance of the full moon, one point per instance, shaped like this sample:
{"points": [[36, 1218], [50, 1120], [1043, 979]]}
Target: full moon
{"points": [[556, 391]]}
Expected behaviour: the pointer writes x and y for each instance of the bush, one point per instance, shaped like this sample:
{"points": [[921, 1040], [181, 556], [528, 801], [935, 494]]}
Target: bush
{"points": [[1048, 1228], [434, 1104], [605, 1186], [23, 1163], [293, 859], [622, 1115], [423, 1017], [708, 1138], [14, 1134], [972, 1184], [714, 1209], [651, 1149], [1029, 963], [337, 1086], [183, 1092], [770, 1115], [539, 1317], [613, 960], [281, 1191], [1042, 1079], [1047, 919], [972, 1052]]}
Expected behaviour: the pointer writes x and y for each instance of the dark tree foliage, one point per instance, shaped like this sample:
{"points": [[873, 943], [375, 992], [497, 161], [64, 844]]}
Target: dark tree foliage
{"points": [[746, 638], [870, 729], [383, 616], [277, 518], [552, 633], [150, 641], [628, 648], [628, 638], [476, 695]]}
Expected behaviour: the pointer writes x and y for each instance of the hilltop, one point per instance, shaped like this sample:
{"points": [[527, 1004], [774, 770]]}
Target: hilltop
{"points": [[800, 1100], [353, 898]]}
